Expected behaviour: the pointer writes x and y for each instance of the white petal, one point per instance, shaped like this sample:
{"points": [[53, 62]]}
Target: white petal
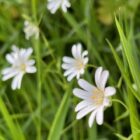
{"points": [[69, 71], [10, 58], [65, 5], [29, 51], [85, 111], [99, 116], [86, 60], [74, 51], [71, 76], [106, 102], [7, 71], [16, 83], [78, 75], [66, 66], [68, 59], [31, 69], [81, 93], [85, 53], [103, 79], [19, 80], [109, 91], [9, 75], [98, 76], [92, 118], [53, 6], [85, 85], [31, 62], [82, 71], [82, 104], [79, 50]]}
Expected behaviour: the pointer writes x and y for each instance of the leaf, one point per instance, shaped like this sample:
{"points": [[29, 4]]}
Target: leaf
{"points": [[58, 123], [13, 127]]}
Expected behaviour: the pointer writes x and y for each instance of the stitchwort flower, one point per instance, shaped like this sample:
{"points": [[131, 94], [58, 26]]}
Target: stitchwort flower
{"points": [[20, 64], [30, 30], [95, 98], [74, 67], [54, 5]]}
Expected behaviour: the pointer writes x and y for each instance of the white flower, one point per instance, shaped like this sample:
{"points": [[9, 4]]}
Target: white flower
{"points": [[30, 30], [54, 5], [19, 59], [95, 99], [74, 67]]}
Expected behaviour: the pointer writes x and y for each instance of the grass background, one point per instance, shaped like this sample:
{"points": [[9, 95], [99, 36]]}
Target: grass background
{"points": [[44, 107]]}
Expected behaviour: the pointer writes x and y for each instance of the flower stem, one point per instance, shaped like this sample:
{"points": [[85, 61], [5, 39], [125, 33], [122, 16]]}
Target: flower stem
{"points": [[37, 51], [91, 65]]}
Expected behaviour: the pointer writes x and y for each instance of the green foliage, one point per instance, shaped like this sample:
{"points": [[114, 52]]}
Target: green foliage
{"points": [[44, 106]]}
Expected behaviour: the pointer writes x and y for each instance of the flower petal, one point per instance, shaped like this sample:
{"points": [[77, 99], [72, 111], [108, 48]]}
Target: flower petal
{"points": [[10, 74], [20, 76], [85, 111], [69, 71], [27, 53], [74, 51], [31, 69], [65, 5], [31, 62], [85, 53], [85, 85], [79, 50], [81, 93], [106, 102], [103, 79], [68, 59], [98, 76], [110, 91], [16, 83], [71, 76], [66, 66], [10, 58], [92, 118], [82, 105], [86, 60], [99, 116]]}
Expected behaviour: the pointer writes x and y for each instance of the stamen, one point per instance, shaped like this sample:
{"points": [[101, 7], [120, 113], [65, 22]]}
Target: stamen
{"points": [[23, 67], [79, 64], [98, 96]]}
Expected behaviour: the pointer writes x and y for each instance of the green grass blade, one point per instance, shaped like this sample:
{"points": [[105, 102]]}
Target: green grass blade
{"points": [[123, 72], [58, 123], [128, 50], [13, 127]]}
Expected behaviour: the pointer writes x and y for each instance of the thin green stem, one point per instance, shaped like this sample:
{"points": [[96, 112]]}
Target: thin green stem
{"points": [[34, 10], [37, 50], [118, 101], [38, 56], [91, 65]]}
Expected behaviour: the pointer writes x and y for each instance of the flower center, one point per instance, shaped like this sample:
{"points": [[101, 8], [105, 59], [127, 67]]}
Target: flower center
{"points": [[98, 96], [79, 64], [23, 67]]}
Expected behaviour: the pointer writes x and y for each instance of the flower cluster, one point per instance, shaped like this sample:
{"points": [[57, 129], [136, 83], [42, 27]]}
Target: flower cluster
{"points": [[95, 99]]}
